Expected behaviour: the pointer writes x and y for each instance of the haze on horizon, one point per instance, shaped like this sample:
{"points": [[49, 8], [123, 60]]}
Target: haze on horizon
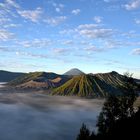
{"points": [[57, 35]]}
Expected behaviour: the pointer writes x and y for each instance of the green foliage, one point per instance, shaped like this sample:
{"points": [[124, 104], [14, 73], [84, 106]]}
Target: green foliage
{"points": [[111, 112], [129, 94], [117, 107], [122, 128], [118, 119], [85, 134]]}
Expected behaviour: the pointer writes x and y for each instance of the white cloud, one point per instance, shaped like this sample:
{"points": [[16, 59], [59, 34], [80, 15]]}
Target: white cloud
{"points": [[113, 44], [60, 51], [11, 25], [5, 35], [25, 44], [137, 21], [96, 33], [92, 31], [67, 31], [136, 51], [53, 21], [7, 8], [61, 5], [12, 3], [9, 4], [131, 33], [131, 43], [33, 15], [5, 49], [106, 0], [93, 48], [4, 20], [26, 54], [57, 9], [37, 43], [110, 43], [76, 11], [87, 26], [67, 42], [135, 4], [97, 19]]}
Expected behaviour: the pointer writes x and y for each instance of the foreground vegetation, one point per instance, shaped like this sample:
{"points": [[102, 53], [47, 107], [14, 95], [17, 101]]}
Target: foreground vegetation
{"points": [[118, 118]]}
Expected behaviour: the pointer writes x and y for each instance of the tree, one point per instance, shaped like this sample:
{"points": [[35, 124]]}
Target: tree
{"points": [[129, 94], [117, 107], [128, 127], [84, 133], [92, 136], [110, 113], [118, 118]]}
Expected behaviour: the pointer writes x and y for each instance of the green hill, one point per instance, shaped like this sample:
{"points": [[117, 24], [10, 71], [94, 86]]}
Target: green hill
{"points": [[36, 76], [39, 80], [98, 85]]}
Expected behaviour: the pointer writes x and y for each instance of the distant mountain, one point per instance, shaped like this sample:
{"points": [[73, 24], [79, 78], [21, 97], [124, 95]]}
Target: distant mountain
{"points": [[74, 72], [39, 80], [84, 85], [6, 76], [91, 85]]}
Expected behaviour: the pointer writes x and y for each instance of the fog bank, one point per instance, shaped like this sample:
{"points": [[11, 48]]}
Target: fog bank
{"points": [[35, 116]]}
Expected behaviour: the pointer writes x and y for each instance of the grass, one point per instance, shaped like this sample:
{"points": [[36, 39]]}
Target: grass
{"points": [[99, 85]]}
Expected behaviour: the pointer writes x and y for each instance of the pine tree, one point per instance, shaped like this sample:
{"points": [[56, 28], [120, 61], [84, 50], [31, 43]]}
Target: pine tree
{"points": [[117, 107], [110, 113], [84, 133]]}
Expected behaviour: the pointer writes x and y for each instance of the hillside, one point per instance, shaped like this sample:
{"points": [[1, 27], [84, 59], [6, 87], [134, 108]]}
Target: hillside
{"points": [[6, 76], [74, 72], [39, 80], [37, 76], [93, 85], [85, 85]]}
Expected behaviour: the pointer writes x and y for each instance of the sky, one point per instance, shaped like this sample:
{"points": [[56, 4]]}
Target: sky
{"points": [[57, 35]]}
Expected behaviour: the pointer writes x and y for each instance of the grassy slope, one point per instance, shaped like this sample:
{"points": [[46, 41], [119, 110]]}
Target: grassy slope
{"points": [[98, 85], [32, 76]]}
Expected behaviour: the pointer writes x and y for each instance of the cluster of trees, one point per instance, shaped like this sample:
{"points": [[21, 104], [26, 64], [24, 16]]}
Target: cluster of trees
{"points": [[118, 117]]}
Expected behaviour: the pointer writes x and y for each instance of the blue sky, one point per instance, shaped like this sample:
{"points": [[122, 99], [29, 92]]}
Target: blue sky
{"points": [[57, 35]]}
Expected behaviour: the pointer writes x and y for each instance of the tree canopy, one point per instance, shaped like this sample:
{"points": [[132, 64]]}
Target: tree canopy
{"points": [[118, 116]]}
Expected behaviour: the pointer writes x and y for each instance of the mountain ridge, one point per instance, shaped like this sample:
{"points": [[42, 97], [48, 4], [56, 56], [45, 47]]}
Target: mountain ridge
{"points": [[95, 85], [84, 85], [6, 76], [42, 80]]}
